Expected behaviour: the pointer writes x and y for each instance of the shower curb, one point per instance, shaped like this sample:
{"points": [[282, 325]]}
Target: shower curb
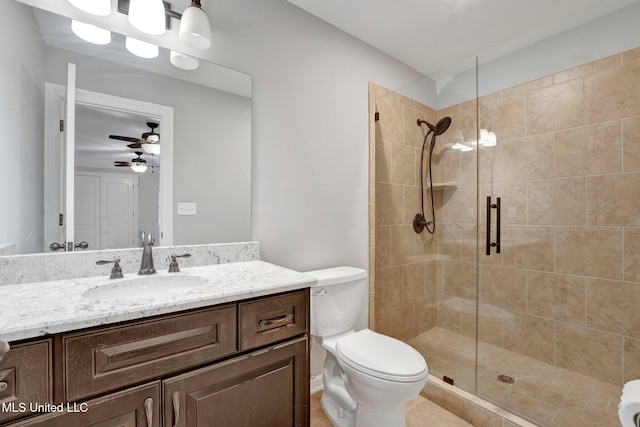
{"points": [[469, 407]]}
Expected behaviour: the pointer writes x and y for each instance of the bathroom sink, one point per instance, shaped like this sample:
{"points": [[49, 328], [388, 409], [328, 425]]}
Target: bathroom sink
{"points": [[145, 287]]}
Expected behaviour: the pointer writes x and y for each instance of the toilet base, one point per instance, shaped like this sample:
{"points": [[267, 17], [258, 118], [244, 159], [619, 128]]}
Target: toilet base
{"points": [[389, 416], [335, 413]]}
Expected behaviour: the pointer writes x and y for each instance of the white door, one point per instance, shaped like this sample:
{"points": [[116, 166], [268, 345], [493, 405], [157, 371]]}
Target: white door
{"points": [[60, 132], [118, 207], [69, 156], [87, 210]]}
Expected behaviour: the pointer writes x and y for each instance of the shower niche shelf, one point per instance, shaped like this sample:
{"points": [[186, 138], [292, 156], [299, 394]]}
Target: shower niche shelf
{"points": [[445, 185]]}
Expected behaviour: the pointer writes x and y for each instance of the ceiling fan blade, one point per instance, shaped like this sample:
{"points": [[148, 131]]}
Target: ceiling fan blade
{"points": [[121, 163], [126, 138], [135, 145]]}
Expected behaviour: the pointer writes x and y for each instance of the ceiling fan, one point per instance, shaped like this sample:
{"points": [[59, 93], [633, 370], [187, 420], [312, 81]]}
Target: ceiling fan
{"points": [[149, 142], [137, 165]]}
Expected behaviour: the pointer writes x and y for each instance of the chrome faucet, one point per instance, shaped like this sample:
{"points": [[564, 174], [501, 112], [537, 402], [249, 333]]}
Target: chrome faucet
{"points": [[146, 265]]}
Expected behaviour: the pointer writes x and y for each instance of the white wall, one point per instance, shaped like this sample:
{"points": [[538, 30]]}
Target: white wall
{"points": [[310, 129], [22, 89]]}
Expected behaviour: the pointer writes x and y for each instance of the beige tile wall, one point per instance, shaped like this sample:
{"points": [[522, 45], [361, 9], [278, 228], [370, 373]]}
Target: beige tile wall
{"points": [[402, 289], [566, 285]]}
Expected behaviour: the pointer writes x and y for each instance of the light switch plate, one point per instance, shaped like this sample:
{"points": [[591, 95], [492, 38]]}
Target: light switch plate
{"points": [[185, 208]]}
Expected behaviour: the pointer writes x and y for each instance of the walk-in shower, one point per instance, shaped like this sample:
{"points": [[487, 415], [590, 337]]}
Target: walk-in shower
{"points": [[419, 221], [548, 328]]}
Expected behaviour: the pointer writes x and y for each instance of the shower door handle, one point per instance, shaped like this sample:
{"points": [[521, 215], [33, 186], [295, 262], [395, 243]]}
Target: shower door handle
{"points": [[491, 244]]}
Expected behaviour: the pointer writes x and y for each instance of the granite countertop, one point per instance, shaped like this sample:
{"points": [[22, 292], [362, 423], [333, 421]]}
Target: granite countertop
{"points": [[37, 309]]}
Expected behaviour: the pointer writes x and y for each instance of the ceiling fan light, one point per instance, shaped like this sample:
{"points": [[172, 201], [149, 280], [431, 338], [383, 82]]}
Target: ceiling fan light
{"points": [[195, 30], [91, 33], [147, 16], [153, 138], [151, 148], [183, 61], [141, 48], [93, 7], [138, 167]]}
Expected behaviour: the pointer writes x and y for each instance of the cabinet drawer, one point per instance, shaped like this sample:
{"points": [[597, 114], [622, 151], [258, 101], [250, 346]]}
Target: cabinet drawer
{"points": [[138, 406], [113, 357], [25, 377], [272, 319]]}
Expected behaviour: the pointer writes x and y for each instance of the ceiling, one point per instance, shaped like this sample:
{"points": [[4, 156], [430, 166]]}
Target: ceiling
{"points": [[94, 148], [434, 35]]}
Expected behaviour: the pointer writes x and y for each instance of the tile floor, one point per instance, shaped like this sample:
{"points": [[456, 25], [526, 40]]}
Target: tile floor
{"points": [[419, 412], [546, 394]]}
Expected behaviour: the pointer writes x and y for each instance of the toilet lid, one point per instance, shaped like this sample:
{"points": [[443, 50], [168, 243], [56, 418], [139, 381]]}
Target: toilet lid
{"points": [[381, 356]]}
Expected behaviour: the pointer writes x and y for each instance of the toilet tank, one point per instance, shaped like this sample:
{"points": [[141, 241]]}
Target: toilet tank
{"points": [[336, 299]]}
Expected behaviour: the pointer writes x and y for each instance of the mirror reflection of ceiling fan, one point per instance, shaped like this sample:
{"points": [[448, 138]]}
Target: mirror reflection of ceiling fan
{"points": [[137, 165], [149, 142]]}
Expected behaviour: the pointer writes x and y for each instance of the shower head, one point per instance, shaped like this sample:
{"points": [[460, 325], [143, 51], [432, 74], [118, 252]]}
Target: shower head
{"points": [[440, 127]]}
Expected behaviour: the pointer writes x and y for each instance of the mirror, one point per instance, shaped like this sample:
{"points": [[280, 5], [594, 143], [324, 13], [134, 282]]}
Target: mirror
{"points": [[210, 133]]}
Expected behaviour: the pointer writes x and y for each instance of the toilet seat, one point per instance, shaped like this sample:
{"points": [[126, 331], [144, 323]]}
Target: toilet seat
{"points": [[381, 356]]}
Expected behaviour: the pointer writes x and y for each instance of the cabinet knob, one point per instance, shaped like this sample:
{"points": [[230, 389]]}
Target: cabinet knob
{"points": [[4, 351]]}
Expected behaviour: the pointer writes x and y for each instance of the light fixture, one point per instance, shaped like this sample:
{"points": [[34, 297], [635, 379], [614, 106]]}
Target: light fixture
{"points": [[141, 48], [138, 165], [90, 33], [183, 61], [492, 140], [461, 147], [195, 30], [151, 148], [487, 139], [147, 16], [93, 7]]}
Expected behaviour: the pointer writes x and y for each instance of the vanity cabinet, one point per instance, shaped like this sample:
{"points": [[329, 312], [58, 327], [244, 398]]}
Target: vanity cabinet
{"points": [[236, 364], [134, 407], [25, 376]]}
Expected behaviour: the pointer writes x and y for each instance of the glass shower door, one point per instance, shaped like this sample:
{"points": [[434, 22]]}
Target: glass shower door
{"points": [[558, 329]]}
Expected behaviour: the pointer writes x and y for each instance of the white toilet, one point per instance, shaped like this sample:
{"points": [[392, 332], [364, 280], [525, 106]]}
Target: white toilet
{"points": [[367, 376]]}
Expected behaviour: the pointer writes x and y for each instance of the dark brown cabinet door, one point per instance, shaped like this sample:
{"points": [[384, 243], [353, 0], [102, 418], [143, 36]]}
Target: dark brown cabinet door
{"points": [[135, 407], [25, 376], [266, 388]]}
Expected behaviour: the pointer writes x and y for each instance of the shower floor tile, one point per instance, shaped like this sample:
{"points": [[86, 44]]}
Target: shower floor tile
{"points": [[545, 394]]}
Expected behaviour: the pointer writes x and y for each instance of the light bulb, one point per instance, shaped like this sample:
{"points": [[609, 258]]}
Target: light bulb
{"points": [[91, 33], [141, 49], [195, 30], [138, 167], [183, 61], [148, 16], [151, 148], [93, 7]]}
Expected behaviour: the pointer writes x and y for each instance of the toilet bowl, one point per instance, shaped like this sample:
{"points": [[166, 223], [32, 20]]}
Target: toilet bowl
{"points": [[367, 376]]}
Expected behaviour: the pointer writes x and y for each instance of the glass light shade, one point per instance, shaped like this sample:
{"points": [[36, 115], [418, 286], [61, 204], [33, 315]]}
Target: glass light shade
{"points": [[461, 147], [484, 136], [148, 16], [141, 49], [139, 167], [492, 140], [151, 148], [93, 7], [183, 61], [153, 138], [195, 30], [91, 33]]}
